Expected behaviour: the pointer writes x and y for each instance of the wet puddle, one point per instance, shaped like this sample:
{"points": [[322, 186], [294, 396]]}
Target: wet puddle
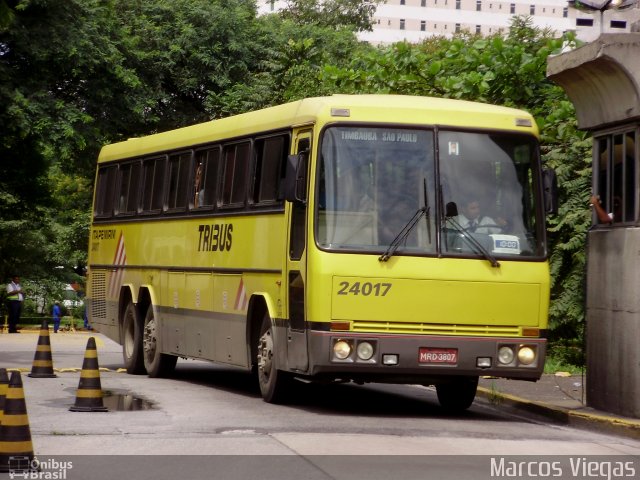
{"points": [[125, 402]]}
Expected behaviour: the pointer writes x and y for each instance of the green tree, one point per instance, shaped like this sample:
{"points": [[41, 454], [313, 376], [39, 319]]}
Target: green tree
{"points": [[188, 53], [293, 57], [354, 15]]}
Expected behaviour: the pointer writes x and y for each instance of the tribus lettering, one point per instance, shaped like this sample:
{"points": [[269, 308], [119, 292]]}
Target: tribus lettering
{"points": [[215, 237]]}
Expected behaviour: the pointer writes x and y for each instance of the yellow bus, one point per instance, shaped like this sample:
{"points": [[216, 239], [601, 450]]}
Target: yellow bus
{"points": [[365, 238]]}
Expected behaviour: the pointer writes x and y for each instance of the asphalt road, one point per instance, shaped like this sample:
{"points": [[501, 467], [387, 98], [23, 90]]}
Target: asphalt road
{"points": [[210, 422]]}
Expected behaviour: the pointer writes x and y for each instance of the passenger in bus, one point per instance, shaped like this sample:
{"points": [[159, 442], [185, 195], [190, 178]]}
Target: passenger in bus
{"points": [[472, 219], [198, 196]]}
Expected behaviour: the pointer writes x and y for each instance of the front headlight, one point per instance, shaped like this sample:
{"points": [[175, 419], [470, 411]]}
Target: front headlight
{"points": [[526, 355], [506, 355], [341, 349], [364, 350]]}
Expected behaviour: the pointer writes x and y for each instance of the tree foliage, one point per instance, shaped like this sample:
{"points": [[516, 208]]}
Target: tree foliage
{"points": [[354, 15]]}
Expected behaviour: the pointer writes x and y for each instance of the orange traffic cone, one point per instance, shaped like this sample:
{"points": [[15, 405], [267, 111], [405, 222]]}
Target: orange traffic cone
{"points": [[16, 449], [4, 385], [42, 362], [89, 393]]}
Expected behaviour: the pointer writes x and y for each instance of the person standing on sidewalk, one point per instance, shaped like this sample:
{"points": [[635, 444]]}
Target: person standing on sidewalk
{"points": [[15, 297], [56, 316]]}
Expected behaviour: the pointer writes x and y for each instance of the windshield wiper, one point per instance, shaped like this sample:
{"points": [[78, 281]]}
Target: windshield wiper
{"points": [[406, 230], [404, 233], [466, 235]]}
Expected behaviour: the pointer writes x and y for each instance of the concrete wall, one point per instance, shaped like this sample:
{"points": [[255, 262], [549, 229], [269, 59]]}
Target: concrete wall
{"points": [[613, 320]]}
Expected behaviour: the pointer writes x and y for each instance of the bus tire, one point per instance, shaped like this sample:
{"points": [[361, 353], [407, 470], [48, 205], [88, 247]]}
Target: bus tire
{"points": [[457, 395], [156, 363], [274, 384], [132, 341]]}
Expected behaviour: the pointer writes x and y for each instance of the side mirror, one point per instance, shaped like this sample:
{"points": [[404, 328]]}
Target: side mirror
{"points": [[550, 191], [295, 181]]}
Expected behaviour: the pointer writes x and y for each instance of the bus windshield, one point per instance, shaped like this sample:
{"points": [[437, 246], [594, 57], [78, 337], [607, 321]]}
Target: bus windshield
{"points": [[382, 188]]}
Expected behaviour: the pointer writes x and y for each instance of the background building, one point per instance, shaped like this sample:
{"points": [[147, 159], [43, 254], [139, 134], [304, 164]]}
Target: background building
{"points": [[415, 20]]}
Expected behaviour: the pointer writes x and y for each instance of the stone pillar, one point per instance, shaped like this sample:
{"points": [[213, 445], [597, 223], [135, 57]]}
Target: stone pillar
{"points": [[602, 79]]}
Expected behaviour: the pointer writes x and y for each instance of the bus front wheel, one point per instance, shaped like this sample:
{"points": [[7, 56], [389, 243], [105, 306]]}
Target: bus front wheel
{"points": [[132, 341], [156, 363], [457, 395], [274, 384]]}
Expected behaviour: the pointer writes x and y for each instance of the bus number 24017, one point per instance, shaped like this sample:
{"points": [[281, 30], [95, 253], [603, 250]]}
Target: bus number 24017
{"points": [[364, 288]]}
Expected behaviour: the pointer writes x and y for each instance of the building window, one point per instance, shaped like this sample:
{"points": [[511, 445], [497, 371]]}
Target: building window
{"points": [[584, 22], [478, 5], [565, 12], [618, 24], [423, 3], [458, 4], [615, 174], [402, 24], [478, 30], [532, 9], [457, 28], [423, 26], [512, 8], [402, 2]]}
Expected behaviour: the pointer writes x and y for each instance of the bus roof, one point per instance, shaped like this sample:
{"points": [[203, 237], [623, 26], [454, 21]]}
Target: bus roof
{"points": [[401, 109]]}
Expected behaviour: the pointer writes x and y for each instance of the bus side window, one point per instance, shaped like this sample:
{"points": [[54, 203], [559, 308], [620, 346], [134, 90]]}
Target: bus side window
{"points": [[129, 189], [105, 191], [178, 180], [234, 177], [270, 163], [205, 180], [153, 184]]}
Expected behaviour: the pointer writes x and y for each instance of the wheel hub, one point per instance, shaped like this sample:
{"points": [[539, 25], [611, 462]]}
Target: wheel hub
{"points": [[149, 340], [265, 353]]}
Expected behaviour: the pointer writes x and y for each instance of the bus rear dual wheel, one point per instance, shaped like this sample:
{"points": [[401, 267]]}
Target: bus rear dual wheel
{"points": [[140, 345], [157, 364]]}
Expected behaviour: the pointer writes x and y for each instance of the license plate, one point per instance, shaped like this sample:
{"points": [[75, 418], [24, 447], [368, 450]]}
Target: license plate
{"points": [[446, 356]]}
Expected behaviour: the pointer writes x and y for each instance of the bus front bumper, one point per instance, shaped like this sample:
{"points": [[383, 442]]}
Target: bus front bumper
{"points": [[396, 358]]}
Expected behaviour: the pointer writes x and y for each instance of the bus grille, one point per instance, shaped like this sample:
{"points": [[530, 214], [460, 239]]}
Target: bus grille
{"points": [[99, 295], [435, 329]]}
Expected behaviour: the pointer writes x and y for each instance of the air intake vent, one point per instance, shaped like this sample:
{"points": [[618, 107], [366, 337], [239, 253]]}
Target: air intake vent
{"points": [[98, 289]]}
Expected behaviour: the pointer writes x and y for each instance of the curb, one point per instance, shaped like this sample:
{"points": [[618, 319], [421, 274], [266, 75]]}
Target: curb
{"points": [[578, 418]]}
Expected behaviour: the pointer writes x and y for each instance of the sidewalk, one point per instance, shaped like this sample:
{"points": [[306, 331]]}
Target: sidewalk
{"points": [[558, 397]]}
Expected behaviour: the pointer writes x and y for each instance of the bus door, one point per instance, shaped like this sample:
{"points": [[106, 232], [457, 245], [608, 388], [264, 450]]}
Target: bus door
{"points": [[295, 269]]}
